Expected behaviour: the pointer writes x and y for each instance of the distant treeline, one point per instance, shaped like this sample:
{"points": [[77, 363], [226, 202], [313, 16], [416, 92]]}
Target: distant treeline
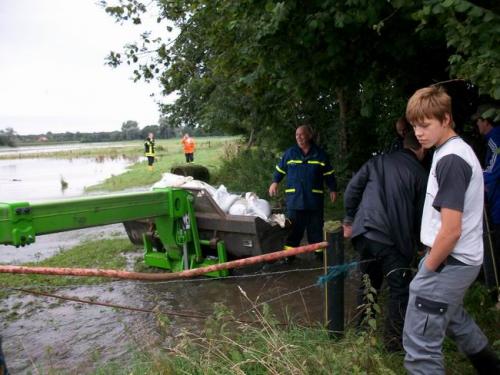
{"points": [[130, 131]]}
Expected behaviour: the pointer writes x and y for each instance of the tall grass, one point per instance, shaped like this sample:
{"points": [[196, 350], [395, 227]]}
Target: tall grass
{"points": [[268, 347], [263, 346]]}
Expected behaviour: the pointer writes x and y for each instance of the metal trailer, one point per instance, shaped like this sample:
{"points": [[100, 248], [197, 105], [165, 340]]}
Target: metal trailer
{"points": [[243, 236]]}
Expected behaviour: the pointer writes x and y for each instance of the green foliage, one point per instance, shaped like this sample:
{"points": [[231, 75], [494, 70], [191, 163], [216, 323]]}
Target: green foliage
{"points": [[169, 153], [226, 347], [472, 31], [248, 170], [131, 130], [261, 68], [8, 137]]}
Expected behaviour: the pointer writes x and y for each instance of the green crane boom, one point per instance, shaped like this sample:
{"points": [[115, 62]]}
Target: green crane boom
{"points": [[172, 243]]}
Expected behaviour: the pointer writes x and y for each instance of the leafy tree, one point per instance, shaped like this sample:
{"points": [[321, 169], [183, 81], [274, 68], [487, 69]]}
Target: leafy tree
{"points": [[262, 67], [166, 130], [150, 129], [130, 130], [8, 137]]}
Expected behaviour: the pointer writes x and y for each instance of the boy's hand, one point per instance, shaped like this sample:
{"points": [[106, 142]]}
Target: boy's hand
{"points": [[347, 230]]}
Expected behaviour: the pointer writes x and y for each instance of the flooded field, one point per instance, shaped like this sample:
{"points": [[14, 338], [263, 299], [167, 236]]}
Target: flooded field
{"points": [[40, 178], [13, 152]]}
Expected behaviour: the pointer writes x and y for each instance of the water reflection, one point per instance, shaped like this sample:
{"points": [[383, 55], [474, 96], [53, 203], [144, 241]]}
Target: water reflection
{"points": [[42, 178]]}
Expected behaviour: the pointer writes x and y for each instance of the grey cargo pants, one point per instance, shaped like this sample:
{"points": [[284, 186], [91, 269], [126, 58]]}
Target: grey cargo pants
{"points": [[435, 309]]}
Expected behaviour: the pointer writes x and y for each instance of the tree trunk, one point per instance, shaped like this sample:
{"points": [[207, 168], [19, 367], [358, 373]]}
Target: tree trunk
{"points": [[251, 139]]}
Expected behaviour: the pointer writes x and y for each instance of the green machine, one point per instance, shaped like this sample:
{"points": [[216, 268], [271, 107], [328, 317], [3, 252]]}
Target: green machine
{"points": [[172, 241]]}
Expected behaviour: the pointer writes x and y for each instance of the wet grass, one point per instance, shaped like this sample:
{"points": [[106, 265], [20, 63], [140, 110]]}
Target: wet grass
{"points": [[107, 253], [225, 347], [209, 153], [131, 149]]}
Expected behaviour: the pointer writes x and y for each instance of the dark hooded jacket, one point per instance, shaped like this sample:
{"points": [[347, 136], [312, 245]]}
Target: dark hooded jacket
{"points": [[386, 197]]}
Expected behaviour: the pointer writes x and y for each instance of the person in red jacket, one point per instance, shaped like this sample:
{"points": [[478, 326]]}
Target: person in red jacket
{"points": [[189, 147]]}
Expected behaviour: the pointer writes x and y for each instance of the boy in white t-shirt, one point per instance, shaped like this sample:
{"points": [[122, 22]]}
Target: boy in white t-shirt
{"points": [[452, 231]]}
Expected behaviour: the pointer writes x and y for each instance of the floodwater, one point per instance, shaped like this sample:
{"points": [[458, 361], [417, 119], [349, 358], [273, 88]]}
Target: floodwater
{"points": [[42, 334], [40, 149], [39, 179]]}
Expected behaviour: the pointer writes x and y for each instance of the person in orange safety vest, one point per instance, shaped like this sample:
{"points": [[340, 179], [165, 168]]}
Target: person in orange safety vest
{"points": [[189, 147]]}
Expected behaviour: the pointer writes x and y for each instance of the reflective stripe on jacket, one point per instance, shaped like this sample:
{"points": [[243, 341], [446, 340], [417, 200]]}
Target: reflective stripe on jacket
{"points": [[149, 147], [306, 176]]}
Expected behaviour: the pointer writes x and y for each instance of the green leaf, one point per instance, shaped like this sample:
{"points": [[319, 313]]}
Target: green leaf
{"points": [[475, 12], [372, 323], [313, 24], [496, 93], [447, 3], [269, 6], [462, 6]]}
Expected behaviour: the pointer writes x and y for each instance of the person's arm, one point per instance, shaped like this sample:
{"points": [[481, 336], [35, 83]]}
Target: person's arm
{"points": [[330, 180], [446, 239], [279, 173], [420, 192], [353, 195], [453, 175], [492, 170]]}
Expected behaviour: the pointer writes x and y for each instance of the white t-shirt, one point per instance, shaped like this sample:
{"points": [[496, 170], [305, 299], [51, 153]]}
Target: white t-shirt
{"points": [[456, 182]]}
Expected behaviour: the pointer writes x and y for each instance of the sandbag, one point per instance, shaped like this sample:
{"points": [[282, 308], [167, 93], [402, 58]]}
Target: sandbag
{"points": [[239, 207], [257, 207], [171, 180], [224, 199]]}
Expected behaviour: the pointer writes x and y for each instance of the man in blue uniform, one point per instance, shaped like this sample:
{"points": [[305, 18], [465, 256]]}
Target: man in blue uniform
{"points": [[307, 169], [488, 128]]}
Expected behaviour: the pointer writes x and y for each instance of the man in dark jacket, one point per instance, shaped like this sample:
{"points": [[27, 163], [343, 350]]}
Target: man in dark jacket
{"points": [[383, 204], [307, 169]]}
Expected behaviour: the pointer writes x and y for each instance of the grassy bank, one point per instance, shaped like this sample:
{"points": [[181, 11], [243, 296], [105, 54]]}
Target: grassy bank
{"points": [[209, 153], [130, 149], [106, 253], [225, 347]]}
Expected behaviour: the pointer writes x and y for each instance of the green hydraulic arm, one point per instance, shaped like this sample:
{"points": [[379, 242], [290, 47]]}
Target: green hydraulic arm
{"points": [[179, 246]]}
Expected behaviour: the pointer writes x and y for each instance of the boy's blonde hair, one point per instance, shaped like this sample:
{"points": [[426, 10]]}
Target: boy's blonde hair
{"points": [[427, 103]]}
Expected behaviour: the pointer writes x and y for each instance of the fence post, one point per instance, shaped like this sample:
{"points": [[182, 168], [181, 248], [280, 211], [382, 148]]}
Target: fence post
{"points": [[334, 289]]}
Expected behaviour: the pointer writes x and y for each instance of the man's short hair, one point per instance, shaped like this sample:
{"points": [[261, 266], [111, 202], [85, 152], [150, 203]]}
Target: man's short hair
{"points": [[308, 128], [429, 103], [410, 141]]}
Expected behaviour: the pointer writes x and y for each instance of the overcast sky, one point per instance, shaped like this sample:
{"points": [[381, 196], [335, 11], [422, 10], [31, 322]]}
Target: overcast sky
{"points": [[52, 72]]}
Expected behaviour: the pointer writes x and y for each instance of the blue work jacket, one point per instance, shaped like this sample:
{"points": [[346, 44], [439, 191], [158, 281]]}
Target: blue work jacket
{"points": [[306, 176], [492, 173]]}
